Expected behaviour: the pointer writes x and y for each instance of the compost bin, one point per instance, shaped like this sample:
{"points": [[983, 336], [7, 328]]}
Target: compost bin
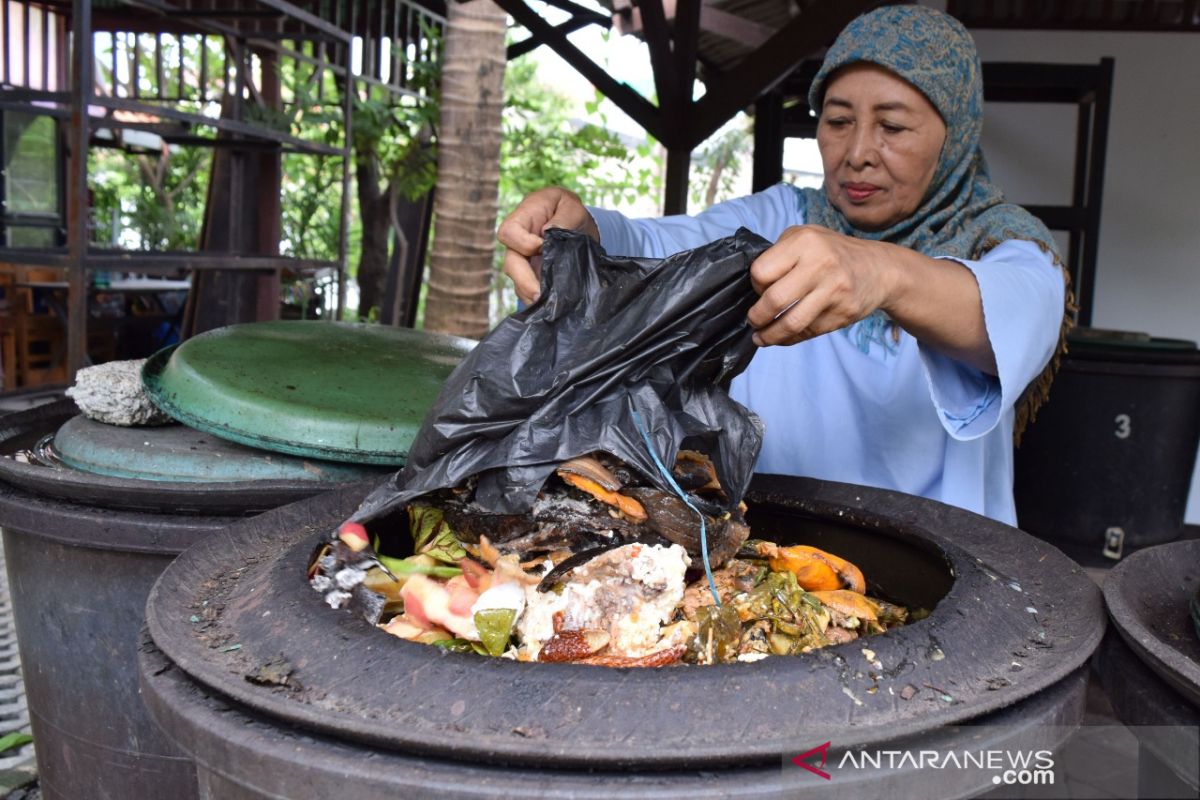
{"points": [[1149, 663], [1106, 467], [1163, 722], [277, 695], [94, 513]]}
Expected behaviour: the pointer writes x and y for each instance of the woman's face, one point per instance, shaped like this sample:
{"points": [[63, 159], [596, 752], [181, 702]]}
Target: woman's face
{"points": [[880, 140]]}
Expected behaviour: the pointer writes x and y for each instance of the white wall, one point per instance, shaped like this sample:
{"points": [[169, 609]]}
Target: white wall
{"points": [[1148, 272]]}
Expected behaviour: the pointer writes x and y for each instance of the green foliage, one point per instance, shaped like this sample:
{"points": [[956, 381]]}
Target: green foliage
{"points": [[400, 138], [545, 144], [310, 186], [310, 206], [718, 162], [154, 200], [398, 132]]}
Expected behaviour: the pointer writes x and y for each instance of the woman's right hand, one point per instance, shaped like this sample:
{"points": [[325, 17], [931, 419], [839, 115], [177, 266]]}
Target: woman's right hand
{"points": [[521, 232]]}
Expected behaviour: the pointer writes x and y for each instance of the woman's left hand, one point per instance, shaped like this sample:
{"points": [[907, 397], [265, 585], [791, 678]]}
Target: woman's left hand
{"points": [[813, 281]]}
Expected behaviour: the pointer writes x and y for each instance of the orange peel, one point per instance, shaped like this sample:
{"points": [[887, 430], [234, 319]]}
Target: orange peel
{"points": [[815, 569], [626, 505]]}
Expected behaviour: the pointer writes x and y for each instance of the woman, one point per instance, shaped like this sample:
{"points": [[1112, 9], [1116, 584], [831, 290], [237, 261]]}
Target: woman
{"points": [[922, 310]]}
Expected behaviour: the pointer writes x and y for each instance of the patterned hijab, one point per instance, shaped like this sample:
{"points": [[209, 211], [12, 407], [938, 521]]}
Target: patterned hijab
{"points": [[963, 214]]}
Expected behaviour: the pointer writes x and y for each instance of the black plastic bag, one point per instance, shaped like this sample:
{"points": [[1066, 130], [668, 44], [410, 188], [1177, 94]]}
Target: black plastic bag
{"points": [[607, 338]]}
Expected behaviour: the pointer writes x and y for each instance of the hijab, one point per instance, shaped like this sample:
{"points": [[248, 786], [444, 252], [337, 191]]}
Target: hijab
{"points": [[963, 214]]}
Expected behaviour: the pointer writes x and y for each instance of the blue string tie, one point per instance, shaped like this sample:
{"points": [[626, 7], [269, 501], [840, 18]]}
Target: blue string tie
{"points": [[670, 479]]}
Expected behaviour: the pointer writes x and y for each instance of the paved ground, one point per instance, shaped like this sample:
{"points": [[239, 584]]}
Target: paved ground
{"points": [[17, 767]]}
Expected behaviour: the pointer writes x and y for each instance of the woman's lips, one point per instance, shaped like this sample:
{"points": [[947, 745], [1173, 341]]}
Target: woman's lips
{"points": [[858, 192]]}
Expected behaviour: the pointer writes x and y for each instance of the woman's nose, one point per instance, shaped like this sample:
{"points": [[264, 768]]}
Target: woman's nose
{"points": [[862, 150]]}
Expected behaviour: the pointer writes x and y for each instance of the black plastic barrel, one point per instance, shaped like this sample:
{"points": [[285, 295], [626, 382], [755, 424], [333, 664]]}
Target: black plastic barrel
{"points": [[1106, 467], [318, 703], [244, 756], [1164, 723], [79, 573], [79, 577]]}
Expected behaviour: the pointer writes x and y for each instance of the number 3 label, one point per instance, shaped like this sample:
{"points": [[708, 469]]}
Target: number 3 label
{"points": [[1123, 429]]}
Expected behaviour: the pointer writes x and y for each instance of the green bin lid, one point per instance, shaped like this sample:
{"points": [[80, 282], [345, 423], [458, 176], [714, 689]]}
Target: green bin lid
{"points": [[338, 391], [182, 454]]}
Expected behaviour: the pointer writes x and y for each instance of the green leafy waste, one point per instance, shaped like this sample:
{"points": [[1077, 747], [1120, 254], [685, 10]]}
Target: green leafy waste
{"points": [[401, 567], [432, 536], [13, 740], [495, 626]]}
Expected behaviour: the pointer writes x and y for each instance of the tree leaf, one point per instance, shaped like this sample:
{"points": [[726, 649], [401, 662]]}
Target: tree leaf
{"points": [[13, 740]]}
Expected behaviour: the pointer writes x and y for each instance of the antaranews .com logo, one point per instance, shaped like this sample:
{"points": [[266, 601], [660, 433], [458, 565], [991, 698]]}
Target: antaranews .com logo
{"points": [[1008, 767]]}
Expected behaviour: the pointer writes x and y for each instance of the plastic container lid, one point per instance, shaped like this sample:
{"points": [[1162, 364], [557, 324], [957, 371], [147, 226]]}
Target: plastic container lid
{"points": [[180, 453], [337, 391], [1100, 344]]}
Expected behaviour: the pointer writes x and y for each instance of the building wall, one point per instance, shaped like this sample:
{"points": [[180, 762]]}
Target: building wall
{"points": [[1148, 274]]}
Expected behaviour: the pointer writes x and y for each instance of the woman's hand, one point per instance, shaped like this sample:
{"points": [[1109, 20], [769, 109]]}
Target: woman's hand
{"points": [[521, 232], [814, 280]]}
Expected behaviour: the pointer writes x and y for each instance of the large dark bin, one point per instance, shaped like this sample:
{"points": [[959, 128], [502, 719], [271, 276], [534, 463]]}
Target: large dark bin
{"points": [[1149, 663], [1164, 723], [317, 703], [82, 552], [79, 577], [1105, 469], [85, 546]]}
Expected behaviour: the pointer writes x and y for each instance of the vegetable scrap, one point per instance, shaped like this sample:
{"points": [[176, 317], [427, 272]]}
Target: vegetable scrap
{"points": [[603, 570]]}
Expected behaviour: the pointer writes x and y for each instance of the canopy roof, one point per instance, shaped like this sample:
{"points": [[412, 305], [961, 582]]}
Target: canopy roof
{"points": [[740, 49]]}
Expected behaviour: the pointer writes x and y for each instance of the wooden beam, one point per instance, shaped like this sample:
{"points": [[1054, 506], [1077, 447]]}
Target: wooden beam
{"points": [[586, 14], [639, 108], [673, 58], [688, 20], [768, 141], [1147, 15], [666, 73], [738, 88], [687, 35], [580, 18], [713, 20], [77, 215], [675, 192], [518, 49], [732, 27]]}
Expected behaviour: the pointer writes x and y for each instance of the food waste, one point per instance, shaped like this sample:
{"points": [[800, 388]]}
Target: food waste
{"points": [[605, 569]]}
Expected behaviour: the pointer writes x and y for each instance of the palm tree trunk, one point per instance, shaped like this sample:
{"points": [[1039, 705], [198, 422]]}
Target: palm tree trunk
{"points": [[465, 205]]}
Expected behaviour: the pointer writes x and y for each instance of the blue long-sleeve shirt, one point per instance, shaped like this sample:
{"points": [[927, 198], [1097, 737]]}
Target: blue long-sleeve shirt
{"points": [[900, 415]]}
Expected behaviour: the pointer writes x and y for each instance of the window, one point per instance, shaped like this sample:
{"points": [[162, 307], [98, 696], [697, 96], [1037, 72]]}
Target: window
{"points": [[31, 190]]}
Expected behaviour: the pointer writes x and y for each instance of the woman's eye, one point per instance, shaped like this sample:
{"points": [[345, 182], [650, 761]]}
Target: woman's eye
{"points": [[837, 122], [892, 128]]}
